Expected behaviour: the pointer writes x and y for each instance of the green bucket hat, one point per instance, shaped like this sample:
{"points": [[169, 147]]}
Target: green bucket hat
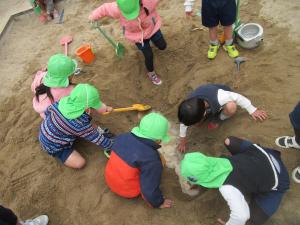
{"points": [[209, 172], [153, 126], [130, 9], [60, 67], [82, 97]]}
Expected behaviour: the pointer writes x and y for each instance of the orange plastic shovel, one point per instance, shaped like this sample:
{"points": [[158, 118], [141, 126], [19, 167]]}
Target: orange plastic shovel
{"points": [[65, 40], [134, 107]]}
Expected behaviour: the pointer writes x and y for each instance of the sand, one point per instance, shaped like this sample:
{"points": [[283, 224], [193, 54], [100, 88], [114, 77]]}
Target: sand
{"points": [[33, 183]]}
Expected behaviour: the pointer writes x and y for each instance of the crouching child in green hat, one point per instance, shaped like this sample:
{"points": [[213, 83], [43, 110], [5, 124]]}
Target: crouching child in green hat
{"points": [[134, 167], [69, 119], [251, 171]]}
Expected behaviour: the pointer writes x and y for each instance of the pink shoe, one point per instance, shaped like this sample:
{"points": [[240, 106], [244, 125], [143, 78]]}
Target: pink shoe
{"points": [[154, 78], [43, 19]]}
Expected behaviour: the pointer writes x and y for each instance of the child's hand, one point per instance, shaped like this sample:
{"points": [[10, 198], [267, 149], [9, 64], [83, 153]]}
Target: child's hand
{"points": [[259, 114], [91, 18], [109, 109], [182, 144], [166, 204], [220, 221], [45, 68]]}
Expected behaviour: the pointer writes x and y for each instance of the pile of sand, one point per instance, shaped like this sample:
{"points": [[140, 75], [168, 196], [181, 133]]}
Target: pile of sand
{"points": [[34, 183]]}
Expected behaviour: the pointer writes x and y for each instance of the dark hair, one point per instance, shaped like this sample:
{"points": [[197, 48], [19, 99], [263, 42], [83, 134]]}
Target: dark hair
{"points": [[42, 89], [191, 111], [145, 9]]}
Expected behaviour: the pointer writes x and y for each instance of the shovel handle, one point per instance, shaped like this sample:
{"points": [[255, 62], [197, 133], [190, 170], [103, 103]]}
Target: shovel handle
{"points": [[96, 24], [126, 109], [66, 49]]}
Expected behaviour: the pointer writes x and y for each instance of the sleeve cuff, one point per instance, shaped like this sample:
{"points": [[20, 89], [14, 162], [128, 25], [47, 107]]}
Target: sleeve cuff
{"points": [[182, 130], [251, 109]]}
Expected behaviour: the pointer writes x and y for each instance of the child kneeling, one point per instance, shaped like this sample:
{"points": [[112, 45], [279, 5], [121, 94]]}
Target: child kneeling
{"points": [[134, 167], [69, 119]]}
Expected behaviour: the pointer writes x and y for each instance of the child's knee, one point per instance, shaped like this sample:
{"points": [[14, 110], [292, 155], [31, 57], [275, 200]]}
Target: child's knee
{"points": [[79, 163], [230, 108], [227, 141], [163, 46]]}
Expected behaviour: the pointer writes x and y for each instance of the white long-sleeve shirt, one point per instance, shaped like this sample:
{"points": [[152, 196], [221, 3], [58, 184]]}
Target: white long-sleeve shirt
{"points": [[239, 209], [188, 5], [223, 98]]}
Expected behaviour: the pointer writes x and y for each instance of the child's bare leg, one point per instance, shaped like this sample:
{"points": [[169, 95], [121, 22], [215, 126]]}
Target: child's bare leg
{"points": [[228, 34], [229, 46], [75, 160], [213, 35]]}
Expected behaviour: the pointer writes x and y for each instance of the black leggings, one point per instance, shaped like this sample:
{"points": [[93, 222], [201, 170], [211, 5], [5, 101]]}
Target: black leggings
{"points": [[7, 217], [148, 54]]}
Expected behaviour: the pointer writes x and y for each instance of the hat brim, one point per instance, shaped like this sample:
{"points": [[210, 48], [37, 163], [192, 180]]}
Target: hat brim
{"points": [[98, 105], [136, 131], [68, 110], [51, 81]]}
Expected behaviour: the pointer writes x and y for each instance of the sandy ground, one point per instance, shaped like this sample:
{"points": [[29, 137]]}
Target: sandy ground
{"points": [[33, 183]]}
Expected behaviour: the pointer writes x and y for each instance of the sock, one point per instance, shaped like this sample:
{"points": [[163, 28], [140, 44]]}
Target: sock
{"points": [[223, 116], [229, 42], [215, 42]]}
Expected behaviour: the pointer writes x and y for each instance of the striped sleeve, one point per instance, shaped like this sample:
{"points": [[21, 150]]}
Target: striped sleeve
{"points": [[93, 135]]}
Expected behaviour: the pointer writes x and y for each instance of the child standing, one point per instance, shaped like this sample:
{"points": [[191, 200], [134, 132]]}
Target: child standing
{"points": [[134, 167], [251, 171], [294, 141], [48, 11], [69, 119], [215, 102], [140, 23], [215, 12]]}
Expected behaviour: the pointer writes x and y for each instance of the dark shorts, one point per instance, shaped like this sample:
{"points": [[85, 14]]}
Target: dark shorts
{"points": [[62, 155], [155, 37], [218, 11], [295, 117]]}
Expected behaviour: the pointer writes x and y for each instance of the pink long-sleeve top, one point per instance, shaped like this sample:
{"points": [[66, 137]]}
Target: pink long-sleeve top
{"points": [[57, 93], [44, 102], [137, 30]]}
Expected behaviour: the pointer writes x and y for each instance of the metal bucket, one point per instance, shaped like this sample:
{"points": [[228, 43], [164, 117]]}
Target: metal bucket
{"points": [[250, 35]]}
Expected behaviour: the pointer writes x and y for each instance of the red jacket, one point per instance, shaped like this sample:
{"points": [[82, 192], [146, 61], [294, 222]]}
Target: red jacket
{"points": [[135, 168]]}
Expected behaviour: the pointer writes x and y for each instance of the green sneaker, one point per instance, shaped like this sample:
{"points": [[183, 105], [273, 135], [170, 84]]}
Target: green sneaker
{"points": [[231, 50], [107, 153], [212, 51]]}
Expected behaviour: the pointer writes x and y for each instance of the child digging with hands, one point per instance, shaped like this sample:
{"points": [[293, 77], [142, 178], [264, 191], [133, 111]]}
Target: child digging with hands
{"points": [[214, 102], [69, 119], [134, 167]]}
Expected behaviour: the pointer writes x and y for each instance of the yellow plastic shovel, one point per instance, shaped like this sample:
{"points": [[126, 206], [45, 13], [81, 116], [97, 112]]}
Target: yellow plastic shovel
{"points": [[134, 107]]}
